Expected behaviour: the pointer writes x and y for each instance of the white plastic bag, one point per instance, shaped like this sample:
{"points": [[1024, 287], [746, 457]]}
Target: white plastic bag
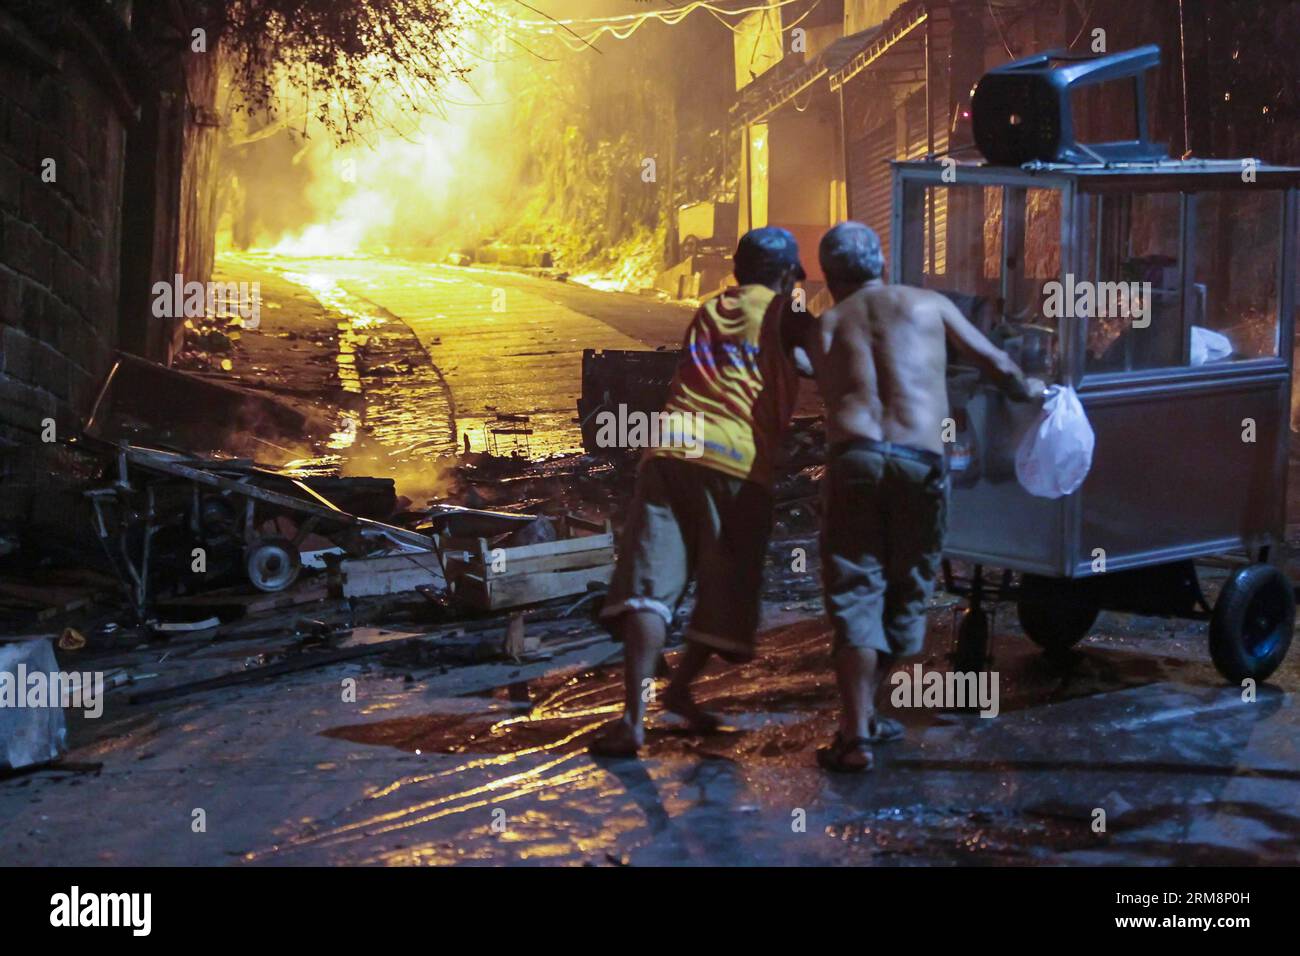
{"points": [[1055, 452], [1209, 346], [30, 734]]}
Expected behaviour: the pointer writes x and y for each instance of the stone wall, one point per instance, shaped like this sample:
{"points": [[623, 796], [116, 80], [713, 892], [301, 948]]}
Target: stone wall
{"points": [[65, 105], [106, 125]]}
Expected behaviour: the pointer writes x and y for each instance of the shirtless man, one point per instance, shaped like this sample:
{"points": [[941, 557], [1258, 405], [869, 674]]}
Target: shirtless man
{"points": [[879, 358]]}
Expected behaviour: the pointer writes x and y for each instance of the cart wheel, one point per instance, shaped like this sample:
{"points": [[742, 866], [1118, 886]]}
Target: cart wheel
{"points": [[972, 649], [272, 564], [1250, 630], [1056, 613]]}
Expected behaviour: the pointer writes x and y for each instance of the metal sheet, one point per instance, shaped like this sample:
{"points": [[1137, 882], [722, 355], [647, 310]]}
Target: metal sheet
{"points": [[1172, 477]]}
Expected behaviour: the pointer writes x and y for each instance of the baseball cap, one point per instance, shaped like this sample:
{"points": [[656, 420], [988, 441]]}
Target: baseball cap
{"points": [[768, 250]]}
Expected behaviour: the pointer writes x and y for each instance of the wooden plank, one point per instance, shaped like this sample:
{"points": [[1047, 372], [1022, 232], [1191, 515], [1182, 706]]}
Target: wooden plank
{"points": [[568, 545], [514, 590], [301, 662], [252, 602], [391, 574], [545, 556], [578, 521], [554, 562]]}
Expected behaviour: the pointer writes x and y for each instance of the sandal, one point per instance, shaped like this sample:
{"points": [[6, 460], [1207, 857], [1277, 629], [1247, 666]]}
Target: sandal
{"points": [[884, 729], [847, 755], [614, 740]]}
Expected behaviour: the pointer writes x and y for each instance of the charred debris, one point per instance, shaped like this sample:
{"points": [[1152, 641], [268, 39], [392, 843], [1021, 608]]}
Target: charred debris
{"points": [[190, 542]]}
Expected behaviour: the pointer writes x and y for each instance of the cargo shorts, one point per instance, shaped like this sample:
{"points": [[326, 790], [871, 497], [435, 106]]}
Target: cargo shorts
{"points": [[885, 512], [689, 521]]}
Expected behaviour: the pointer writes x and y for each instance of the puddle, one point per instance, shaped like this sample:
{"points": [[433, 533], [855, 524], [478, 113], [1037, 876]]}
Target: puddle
{"points": [[977, 836], [772, 706], [781, 706], [438, 360], [957, 790], [408, 425]]}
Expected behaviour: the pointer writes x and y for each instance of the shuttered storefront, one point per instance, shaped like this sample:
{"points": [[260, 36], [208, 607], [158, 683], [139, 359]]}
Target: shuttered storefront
{"points": [[936, 210], [870, 184], [869, 180]]}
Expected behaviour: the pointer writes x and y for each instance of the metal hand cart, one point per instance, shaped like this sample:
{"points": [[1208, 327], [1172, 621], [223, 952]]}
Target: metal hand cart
{"points": [[1164, 293]]}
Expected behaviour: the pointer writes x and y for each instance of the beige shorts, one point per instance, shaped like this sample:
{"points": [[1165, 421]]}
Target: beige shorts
{"points": [[688, 522], [884, 519]]}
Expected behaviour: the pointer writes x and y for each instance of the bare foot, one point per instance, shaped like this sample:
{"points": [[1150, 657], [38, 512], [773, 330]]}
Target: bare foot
{"points": [[679, 702], [618, 738]]}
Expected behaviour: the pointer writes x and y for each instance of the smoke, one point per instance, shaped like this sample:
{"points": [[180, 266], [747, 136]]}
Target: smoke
{"points": [[430, 183], [538, 146], [443, 184]]}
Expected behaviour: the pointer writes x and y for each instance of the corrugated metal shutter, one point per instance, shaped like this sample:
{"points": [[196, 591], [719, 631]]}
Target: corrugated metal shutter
{"points": [[870, 183], [917, 147], [869, 180]]}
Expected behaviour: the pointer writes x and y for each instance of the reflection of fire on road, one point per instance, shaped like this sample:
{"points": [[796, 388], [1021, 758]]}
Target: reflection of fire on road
{"points": [[332, 297], [405, 422], [437, 354]]}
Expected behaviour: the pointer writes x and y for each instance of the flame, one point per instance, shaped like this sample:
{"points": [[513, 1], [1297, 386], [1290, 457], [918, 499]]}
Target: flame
{"points": [[433, 175], [437, 185]]}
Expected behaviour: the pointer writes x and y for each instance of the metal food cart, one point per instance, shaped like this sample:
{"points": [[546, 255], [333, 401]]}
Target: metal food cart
{"points": [[1164, 293]]}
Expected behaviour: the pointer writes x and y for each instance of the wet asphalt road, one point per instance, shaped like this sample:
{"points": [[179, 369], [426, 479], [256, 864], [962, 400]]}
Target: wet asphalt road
{"points": [[487, 764], [495, 342]]}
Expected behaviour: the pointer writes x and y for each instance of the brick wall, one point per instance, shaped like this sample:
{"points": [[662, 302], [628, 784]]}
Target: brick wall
{"points": [[63, 98]]}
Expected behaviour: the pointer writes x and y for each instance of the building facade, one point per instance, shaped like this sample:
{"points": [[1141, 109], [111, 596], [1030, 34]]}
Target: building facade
{"points": [[838, 90], [106, 124]]}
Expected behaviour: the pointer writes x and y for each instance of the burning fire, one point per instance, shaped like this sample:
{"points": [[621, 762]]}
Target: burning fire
{"points": [[462, 174], [431, 182]]}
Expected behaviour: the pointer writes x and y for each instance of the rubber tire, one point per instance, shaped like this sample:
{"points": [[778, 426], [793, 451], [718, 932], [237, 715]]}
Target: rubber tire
{"points": [[1260, 598], [1055, 613], [282, 551], [972, 651]]}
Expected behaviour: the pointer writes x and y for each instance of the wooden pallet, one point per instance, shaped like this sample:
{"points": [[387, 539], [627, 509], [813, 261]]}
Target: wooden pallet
{"points": [[391, 574], [496, 578]]}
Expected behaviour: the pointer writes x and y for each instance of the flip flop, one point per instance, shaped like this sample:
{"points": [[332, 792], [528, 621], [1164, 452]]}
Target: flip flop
{"points": [[835, 757], [610, 743], [882, 730], [699, 719]]}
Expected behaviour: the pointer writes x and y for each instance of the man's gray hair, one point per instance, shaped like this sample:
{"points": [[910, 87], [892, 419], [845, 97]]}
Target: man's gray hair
{"points": [[850, 253]]}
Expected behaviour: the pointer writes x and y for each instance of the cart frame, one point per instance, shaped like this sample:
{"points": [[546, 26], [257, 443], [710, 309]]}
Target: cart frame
{"points": [[1148, 508], [1249, 494]]}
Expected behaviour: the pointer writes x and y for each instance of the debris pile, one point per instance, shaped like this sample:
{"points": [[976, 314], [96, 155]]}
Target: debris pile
{"points": [[219, 559]]}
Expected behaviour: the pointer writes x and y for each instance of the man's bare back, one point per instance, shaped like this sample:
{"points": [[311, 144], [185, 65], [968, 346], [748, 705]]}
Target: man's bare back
{"points": [[880, 355]]}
